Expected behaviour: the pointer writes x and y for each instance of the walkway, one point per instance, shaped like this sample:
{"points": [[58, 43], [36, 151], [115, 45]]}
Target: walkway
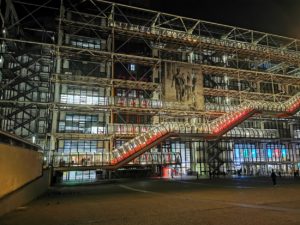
{"points": [[160, 201]]}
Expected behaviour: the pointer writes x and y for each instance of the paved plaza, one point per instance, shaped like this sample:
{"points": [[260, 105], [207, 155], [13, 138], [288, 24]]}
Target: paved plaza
{"points": [[239, 201]]}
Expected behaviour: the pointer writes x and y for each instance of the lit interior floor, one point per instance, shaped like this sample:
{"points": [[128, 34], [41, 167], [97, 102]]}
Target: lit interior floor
{"points": [[154, 201]]}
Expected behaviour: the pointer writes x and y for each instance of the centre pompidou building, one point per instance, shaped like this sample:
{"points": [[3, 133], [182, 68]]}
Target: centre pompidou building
{"points": [[103, 87]]}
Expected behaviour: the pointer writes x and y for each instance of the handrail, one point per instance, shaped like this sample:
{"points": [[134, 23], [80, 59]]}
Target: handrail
{"points": [[82, 160]]}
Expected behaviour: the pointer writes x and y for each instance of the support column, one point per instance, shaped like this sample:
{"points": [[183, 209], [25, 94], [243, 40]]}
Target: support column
{"points": [[57, 84]]}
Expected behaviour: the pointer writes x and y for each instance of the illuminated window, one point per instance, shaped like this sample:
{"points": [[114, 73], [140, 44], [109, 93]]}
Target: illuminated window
{"points": [[269, 152], [132, 67], [237, 153], [82, 42], [283, 153]]}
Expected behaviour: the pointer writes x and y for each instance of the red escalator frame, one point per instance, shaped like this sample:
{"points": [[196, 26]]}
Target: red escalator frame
{"points": [[140, 149], [237, 118]]}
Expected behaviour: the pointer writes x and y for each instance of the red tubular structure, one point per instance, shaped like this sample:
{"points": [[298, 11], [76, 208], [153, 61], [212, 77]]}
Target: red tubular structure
{"points": [[219, 127]]}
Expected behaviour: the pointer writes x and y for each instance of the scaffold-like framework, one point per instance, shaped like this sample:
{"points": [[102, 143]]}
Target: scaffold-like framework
{"points": [[86, 76]]}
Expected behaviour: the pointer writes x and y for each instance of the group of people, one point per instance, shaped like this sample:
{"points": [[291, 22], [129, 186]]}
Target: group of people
{"points": [[184, 85], [274, 175]]}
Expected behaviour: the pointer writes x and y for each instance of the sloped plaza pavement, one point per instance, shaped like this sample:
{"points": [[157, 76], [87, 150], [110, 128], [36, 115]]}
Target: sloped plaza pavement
{"points": [[234, 201]]}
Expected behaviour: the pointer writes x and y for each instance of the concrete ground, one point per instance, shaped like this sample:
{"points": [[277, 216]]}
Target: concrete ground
{"points": [[238, 201]]}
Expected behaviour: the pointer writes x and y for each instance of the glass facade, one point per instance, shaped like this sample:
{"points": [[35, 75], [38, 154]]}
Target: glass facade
{"points": [[112, 88]]}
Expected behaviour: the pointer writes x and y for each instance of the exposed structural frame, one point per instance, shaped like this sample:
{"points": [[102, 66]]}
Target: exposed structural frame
{"points": [[35, 55], [213, 130], [25, 71]]}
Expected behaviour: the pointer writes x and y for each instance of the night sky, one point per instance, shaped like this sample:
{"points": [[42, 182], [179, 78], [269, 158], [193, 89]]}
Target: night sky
{"points": [[272, 16]]}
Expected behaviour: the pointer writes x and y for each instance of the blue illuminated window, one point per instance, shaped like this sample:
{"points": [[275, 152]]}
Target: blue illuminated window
{"points": [[237, 153], [253, 152], [283, 153], [269, 153], [246, 153]]}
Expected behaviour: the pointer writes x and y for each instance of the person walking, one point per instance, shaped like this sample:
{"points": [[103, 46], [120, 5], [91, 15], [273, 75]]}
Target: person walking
{"points": [[273, 176]]}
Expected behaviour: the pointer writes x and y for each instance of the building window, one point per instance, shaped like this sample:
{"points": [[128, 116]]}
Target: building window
{"points": [[132, 67]]}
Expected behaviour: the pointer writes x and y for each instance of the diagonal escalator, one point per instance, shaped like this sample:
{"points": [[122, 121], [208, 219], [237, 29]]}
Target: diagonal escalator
{"points": [[211, 130]]}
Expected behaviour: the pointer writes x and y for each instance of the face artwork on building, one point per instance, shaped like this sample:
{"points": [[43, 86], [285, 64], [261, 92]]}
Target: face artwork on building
{"points": [[183, 85]]}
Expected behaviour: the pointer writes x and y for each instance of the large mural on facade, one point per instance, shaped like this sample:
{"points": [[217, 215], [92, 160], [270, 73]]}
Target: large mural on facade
{"points": [[183, 84]]}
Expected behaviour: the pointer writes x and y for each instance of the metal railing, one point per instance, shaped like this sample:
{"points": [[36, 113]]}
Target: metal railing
{"points": [[78, 160]]}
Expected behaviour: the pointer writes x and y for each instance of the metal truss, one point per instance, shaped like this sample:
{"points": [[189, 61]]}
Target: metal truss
{"points": [[78, 136], [26, 71], [104, 82], [185, 31], [34, 51], [242, 95], [214, 158], [251, 75]]}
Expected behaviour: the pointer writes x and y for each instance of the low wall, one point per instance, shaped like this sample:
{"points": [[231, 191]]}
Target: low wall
{"points": [[18, 166], [25, 194]]}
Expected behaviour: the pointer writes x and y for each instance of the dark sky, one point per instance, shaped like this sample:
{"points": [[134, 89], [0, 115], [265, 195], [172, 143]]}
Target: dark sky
{"points": [[272, 16]]}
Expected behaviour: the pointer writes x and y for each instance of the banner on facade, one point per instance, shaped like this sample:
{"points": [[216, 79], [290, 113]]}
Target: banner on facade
{"points": [[183, 84]]}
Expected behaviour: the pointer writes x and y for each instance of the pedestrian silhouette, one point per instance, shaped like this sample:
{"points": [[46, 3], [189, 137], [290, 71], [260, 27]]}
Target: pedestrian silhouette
{"points": [[273, 176]]}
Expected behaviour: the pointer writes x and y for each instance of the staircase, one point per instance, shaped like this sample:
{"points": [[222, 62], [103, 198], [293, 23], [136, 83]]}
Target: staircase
{"points": [[215, 160], [214, 129]]}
